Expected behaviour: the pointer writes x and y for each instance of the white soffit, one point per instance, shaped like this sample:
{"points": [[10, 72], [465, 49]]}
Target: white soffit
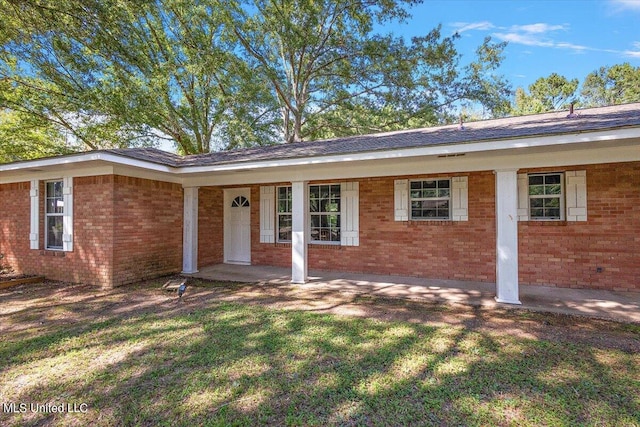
{"points": [[434, 150], [73, 160], [75, 170], [96, 163], [86, 164], [473, 162]]}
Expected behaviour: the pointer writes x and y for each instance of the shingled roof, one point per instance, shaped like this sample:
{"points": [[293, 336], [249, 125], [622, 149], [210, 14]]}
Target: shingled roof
{"points": [[539, 125]]}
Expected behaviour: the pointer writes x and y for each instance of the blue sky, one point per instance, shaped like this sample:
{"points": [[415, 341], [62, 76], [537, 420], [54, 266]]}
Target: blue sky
{"points": [[568, 37]]}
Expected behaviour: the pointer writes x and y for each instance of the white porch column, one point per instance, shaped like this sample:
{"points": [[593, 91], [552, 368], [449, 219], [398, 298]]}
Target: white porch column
{"points": [[507, 236], [190, 231], [299, 235]]}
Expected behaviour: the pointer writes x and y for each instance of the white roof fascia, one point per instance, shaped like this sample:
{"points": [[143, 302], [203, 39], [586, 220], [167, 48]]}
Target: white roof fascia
{"points": [[85, 157], [138, 172], [420, 166], [46, 174], [435, 150]]}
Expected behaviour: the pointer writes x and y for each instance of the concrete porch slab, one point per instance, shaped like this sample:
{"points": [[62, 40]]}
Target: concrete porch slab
{"points": [[622, 306]]}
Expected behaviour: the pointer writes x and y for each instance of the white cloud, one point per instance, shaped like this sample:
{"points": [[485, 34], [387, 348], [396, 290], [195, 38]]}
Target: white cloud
{"points": [[533, 40], [575, 47], [525, 39], [626, 4], [461, 27], [542, 34], [538, 34], [539, 28]]}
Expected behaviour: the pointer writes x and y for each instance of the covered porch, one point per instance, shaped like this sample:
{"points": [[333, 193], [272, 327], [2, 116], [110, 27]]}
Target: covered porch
{"points": [[372, 201], [623, 306]]}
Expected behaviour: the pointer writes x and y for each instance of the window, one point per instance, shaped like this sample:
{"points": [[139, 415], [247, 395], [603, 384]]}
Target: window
{"points": [[545, 196], [54, 212], [333, 214], [324, 212], [240, 202], [284, 214], [430, 199]]}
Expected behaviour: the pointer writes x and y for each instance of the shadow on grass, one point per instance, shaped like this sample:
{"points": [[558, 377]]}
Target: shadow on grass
{"points": [[242, 364]]}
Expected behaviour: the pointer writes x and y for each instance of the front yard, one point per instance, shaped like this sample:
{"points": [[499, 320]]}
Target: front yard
{"points": [[229, 354]]}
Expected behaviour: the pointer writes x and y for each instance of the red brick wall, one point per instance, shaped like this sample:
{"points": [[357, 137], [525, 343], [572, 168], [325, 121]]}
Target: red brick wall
{"points": [[125, 229], [568, 254], [148, 229], [91, 259], [210, 226], [434, 249], [14, 227], [93, 240], [278, 254], [556, 253], [144, 239]]}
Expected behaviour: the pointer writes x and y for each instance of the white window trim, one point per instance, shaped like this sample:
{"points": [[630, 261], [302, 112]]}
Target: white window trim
{"points": [[324, 242], [458, 200], [450, 199], [350, 216], [561, 196], [279, 214], [47, 215], [34, 232], [67, 215]]}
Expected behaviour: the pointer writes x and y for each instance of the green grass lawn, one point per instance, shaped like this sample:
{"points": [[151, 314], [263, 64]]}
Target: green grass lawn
{"points": [[231, 363]]}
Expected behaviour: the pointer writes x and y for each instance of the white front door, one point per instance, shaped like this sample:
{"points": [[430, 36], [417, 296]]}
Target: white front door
{"points": [[237, 226]]}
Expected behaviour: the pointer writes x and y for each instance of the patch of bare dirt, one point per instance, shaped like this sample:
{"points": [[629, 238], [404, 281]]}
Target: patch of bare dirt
{"points": [[32, 307]]}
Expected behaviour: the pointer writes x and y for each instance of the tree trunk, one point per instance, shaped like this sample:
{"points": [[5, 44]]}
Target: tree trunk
{"points": [[297, 128]]}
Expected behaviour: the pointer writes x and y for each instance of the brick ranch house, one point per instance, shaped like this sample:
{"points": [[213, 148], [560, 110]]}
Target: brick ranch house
{"points": [[549, 199]]}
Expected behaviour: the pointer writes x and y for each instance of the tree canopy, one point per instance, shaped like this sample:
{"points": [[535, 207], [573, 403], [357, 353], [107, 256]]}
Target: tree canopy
{"points": [[23, 136], [545, 94], [215, 74], [122, 73], [618, 84], [332, 76]]}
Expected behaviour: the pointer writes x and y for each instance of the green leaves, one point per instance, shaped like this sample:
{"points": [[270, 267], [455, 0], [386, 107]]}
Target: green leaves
{"points": [[333, 77], [618, 84], [614, 85], [129, 71], [23, 136], [551, 93], [213, 74]]}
